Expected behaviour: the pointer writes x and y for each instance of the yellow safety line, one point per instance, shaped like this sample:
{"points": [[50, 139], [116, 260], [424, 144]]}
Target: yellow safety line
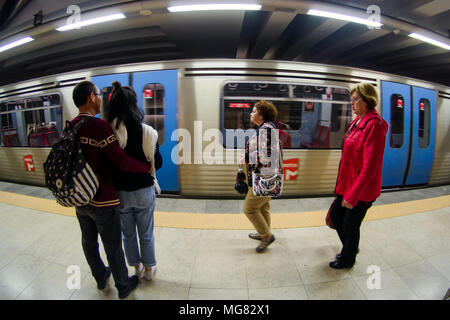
{"points": [[232, 221]]}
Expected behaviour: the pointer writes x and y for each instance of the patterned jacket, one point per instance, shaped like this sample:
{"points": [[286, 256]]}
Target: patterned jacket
{"points": [[267, 151]]}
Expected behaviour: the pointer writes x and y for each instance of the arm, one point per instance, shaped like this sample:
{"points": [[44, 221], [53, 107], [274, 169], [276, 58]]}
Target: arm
{"points": [[372, 158], [158, 158], [108, 143], [123, 161]]}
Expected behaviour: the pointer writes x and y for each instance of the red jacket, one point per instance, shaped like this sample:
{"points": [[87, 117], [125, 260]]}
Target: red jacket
{"points": [[359, 177]]}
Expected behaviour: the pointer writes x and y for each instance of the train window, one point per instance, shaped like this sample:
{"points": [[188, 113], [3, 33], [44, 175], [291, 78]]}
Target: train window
{"points": [[31, 122], [308, 116], [340, 112], [153, 105], [249, 89], [424, 123], [397, 120], [237, 114]]}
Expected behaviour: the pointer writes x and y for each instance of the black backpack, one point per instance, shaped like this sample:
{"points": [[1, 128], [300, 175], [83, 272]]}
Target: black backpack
{"points": [[67, 173]]}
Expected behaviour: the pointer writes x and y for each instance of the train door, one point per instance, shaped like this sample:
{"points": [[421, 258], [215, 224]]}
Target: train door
{"points": [[409, 149], [396, 104], [423, 135], [157, 93]]}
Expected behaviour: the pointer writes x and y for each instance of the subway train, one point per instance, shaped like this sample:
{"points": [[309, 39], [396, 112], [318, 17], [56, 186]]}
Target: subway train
{"points": [[201, 110]]}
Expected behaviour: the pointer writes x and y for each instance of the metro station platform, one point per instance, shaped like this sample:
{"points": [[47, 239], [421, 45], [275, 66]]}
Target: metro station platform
{"points": [[203, 251]]}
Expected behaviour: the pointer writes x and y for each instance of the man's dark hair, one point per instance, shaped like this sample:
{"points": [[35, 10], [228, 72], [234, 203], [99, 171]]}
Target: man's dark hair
{"points": [[82, 91]]}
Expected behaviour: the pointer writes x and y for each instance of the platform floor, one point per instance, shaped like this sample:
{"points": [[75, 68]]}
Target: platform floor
{"points": [[203, 251]]}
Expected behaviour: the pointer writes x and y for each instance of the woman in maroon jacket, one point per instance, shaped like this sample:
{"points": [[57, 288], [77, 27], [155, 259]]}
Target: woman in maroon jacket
{"points": [[359, 178]]}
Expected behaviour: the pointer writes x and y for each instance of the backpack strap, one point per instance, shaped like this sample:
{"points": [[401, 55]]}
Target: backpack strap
{"points": [[81, 123]]}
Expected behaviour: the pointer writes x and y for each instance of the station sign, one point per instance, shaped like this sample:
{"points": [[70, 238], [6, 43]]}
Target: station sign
{"points": [[290, 168], [28, 161]]}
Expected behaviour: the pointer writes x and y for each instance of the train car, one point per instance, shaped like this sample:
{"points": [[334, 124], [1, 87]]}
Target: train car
{"points": [[201, 110]]}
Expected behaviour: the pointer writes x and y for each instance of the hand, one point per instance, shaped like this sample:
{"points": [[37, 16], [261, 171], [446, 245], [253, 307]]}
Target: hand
{"points": [[345, 204]]}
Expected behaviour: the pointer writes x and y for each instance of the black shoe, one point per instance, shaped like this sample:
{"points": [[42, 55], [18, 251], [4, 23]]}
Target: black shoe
{"points": [[132, 284], [339, 256], [264, 244], [338, 264], [102, 284]]}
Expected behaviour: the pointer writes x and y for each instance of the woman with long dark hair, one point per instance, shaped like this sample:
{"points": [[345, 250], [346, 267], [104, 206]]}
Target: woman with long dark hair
{"points": [[136, 191]]}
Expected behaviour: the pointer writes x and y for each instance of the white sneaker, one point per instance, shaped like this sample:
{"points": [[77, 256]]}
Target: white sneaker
{"points": [[148, 275], [138, 271]]}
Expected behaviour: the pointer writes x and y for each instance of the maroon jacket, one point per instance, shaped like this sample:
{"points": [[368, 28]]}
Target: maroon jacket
{"points": [[359, 177], [101, 149]]}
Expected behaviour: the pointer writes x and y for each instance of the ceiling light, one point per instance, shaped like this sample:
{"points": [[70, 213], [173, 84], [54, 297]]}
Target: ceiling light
{"points": [[15, 44], [339, 16], [89, 22], [429, 40], [202, 7], [145, 12]]}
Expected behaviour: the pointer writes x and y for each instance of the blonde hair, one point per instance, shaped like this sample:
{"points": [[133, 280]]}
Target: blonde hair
{"points": [[267, 110], [368, 93]]}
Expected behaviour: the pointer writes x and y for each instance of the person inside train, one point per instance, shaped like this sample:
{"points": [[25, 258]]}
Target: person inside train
{"points": [[136, 190], [101, 150], [359, 176], [257, 208]]}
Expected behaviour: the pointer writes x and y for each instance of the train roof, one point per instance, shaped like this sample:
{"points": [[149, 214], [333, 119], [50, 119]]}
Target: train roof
{"points": [[280, 30]]}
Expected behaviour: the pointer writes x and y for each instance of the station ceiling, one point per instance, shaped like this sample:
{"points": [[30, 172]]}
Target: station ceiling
{"points": [[281, 30]]}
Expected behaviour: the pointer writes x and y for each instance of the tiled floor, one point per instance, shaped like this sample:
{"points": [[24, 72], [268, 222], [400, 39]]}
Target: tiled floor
{"points": [[411, 253]]}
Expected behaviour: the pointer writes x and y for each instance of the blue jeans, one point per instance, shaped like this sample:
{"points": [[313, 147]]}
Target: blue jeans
{"points": [[136, 210], [106, 222]]}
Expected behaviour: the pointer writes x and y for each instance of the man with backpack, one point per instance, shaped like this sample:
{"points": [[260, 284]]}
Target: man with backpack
{"points": [[101, 150]]}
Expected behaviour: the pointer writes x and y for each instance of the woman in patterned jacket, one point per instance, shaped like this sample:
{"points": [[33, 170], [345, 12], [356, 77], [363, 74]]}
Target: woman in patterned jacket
{"points": [[264, 158]]}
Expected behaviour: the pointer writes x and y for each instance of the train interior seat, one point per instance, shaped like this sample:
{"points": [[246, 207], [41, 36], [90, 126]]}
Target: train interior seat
{"points": [[286, 140], [44, 135], [10, 137], [321, 138], [49, 133]]}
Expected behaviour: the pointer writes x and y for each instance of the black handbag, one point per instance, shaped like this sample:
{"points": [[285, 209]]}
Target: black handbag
{"points": [[240, 184]]}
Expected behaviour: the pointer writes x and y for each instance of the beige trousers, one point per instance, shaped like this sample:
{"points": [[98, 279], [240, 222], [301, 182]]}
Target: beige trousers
{"points": [[257, 211]]}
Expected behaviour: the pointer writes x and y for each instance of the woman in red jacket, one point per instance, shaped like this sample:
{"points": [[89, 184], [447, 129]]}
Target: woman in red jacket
{"points": [[359, 178]]}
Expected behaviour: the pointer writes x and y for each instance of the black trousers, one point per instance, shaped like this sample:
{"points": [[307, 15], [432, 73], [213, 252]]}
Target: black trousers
{"points": [[106, 222], [347, 223]]}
